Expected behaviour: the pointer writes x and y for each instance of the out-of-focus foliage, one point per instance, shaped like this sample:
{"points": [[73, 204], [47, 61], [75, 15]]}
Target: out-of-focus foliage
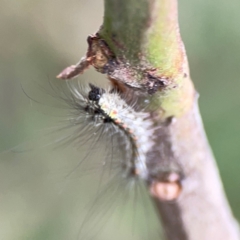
{"points": [[40, 38]]}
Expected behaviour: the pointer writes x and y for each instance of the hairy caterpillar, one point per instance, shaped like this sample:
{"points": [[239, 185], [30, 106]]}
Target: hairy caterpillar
{"points": [[106, 117], [133, 128], [107, 107]]}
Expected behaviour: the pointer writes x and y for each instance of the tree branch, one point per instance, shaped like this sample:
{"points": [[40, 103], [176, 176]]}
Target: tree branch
{"points": [[144, 37], [139, 46]]}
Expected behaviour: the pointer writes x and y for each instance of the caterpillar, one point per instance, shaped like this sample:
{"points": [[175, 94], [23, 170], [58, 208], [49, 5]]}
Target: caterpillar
{"points": [[107, 117], [118, 114], [108, 107]]}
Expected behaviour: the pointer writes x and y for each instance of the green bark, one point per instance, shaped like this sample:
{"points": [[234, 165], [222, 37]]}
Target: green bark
{"points": [[145, 35]]}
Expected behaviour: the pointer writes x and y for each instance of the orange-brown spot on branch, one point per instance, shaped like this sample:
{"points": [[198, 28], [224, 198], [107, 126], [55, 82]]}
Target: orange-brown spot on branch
{"points": [[166, 191]]}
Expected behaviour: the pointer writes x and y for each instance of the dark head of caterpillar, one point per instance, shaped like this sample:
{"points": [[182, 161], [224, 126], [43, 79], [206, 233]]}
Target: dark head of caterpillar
{"points": [[95, 93], [93, 107]]}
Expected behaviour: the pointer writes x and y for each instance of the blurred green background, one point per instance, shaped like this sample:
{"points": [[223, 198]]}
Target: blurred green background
{"points": [[40, 38]]}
